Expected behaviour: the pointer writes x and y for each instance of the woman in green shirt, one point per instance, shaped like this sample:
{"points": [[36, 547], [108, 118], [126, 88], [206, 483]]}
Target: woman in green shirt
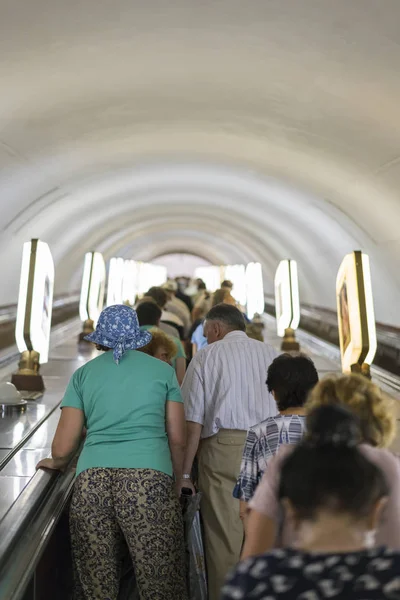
{"points": [[131, 406]]}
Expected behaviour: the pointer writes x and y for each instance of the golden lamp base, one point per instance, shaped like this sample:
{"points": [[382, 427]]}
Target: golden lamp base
{"points": [[28, 383], [88, 328], [289, 342], [28, 377], [363, 369]]}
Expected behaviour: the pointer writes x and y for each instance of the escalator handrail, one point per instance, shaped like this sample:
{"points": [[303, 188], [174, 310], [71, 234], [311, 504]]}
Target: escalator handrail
{"points": [[27, 527], [386, 334], [9, 312]]}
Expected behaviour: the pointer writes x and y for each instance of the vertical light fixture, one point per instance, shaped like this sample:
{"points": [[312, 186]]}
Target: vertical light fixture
{"points": [[115, 284], [356, 317], [210, 275], [92, 291], [254, 289], [287, 303], [34, 313], [130, 283]]}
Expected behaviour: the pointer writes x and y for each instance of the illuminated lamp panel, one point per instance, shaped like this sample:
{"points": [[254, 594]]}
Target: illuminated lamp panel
{"points": [[35, 301]]}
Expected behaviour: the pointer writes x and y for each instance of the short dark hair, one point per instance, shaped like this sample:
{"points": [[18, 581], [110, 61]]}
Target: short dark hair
{"points": [[327, 471], [228, 315], [227, 284], [102, 348], [291, 378], [148, 313], [159, 295], [219, 296]]}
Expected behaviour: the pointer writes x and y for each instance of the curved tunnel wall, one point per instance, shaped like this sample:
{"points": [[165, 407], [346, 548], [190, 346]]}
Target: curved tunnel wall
{"points": [[237, 131]]}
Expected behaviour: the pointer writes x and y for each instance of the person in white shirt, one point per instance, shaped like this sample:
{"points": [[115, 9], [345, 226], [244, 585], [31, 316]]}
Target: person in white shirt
{"points": [[170, 323], [176, 306], [225, 394]]}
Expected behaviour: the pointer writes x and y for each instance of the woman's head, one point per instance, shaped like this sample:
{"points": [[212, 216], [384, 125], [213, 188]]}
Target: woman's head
{"points": [[363, 398], [161, 346], [290, 379], [327, 474], [118, 330], [148, 313], [159, 295]]}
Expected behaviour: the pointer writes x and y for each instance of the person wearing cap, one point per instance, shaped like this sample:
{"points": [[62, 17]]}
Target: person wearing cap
{"points": [[125, 493]]}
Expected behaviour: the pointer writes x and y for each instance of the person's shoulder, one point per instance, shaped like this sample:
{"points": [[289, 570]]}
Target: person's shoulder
{"points": [[283, 452], [96, 362], [93, 369], [381, 456], [201, 356], [259, 429], [199, 330], [388, 462], [138, 363], [264, 347], [141, 359]]}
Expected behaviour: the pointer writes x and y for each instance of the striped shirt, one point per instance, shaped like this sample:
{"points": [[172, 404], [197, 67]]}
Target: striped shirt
{"points": [[262, 443], [225, 387]]}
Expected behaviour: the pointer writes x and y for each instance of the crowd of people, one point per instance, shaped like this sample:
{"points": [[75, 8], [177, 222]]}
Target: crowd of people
{"points": [[300, 494]]}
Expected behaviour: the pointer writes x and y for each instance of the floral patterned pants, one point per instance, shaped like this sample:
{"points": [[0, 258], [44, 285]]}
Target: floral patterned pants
{"points": [[137, 507]]}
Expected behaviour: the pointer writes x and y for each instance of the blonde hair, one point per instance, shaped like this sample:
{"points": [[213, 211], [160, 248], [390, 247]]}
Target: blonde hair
{"points": [[159, 338], [219, 296], [365, 399], [254, 332]]}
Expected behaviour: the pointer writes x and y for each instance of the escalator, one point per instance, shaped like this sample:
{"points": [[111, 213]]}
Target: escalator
{"points": [[35, 555]]}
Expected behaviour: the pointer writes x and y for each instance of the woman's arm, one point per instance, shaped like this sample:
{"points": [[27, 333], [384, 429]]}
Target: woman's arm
{"points": [[244, 513], [180, 369], [260, 534], [176, 432], [66, 440]]}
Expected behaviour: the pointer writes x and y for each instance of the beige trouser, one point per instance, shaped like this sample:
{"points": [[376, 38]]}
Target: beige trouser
{"points": [[219, 466]]}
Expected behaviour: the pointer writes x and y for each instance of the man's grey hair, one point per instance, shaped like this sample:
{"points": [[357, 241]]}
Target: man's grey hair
{"points": [[228, 315]]}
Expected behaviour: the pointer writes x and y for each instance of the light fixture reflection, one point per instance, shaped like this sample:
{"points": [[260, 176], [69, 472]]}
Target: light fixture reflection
{"points": [[254, 289], [287, 301], [93, 286], [211, 277]]}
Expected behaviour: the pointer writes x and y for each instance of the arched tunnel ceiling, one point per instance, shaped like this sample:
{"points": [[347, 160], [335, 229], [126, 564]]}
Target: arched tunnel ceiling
{"points": [[235, 130]]}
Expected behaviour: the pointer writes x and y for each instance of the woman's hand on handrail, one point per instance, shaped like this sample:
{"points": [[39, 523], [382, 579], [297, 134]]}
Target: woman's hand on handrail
{"points": [[52, 464]]}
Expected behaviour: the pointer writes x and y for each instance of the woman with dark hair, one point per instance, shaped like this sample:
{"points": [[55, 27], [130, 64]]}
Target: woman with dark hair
{"points": [[334, 496], [290, 379], [132, 408]]}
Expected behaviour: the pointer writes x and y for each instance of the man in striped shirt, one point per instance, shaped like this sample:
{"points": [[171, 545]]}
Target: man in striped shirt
{"points": [[225, 394]]}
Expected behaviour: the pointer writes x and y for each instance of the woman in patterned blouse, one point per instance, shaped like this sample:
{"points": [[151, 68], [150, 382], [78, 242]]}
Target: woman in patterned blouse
{"points": [[290, 379], [334, 496]]}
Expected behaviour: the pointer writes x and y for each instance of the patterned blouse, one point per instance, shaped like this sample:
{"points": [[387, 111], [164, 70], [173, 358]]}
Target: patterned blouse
{"points": [[291, 574], [262, 443]]}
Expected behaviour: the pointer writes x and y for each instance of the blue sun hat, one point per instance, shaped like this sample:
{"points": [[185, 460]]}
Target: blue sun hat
{"points": [[118, 328]]}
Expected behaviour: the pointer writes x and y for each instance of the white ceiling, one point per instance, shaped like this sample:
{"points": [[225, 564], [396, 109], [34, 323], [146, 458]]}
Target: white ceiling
{"points": [[236, 130]]}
